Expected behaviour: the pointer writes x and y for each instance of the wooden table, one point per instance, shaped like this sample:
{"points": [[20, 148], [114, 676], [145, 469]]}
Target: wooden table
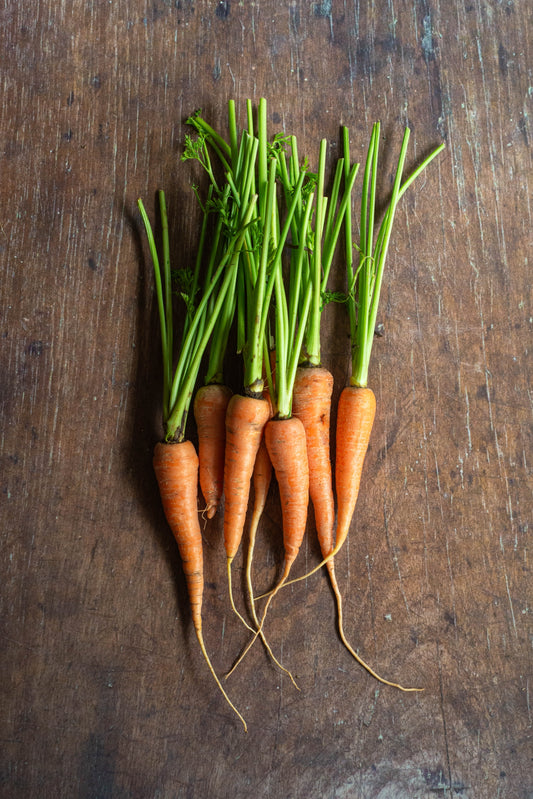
{"points": [[104, 692]]}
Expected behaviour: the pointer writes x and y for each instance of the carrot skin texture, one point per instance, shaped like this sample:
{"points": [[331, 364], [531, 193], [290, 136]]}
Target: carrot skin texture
{"points": [[355, 417], [245, 420], [176, 470], [210, 406], [262, 476], [311, 403], [286, 445]]}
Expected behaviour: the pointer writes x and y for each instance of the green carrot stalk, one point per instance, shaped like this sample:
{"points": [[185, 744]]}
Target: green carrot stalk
{"points": [[364, 283], [177, 393]]}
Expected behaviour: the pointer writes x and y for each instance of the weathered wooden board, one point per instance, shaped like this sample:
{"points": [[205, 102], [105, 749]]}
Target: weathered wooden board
{"points": [[103, 690]]}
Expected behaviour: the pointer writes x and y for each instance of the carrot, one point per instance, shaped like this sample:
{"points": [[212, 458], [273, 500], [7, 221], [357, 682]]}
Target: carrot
{"points": [[261, 479], [210, 405], [175, 459], [357, 404], [311, 404], [285, 442], [246, 417], [176, 469], [355, 417]]}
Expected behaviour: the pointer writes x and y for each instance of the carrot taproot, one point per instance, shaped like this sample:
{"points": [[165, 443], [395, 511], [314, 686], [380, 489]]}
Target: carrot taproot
{"points": [[311, 403], [286, 445], [261, 479], [176, 470], [175, 460], [210, 406], [285, 442], [356, 411], [246, 417]]}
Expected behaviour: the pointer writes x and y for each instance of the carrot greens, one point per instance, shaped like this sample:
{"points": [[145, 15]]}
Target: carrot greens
{"points": [[178, 385], [364, 282]]}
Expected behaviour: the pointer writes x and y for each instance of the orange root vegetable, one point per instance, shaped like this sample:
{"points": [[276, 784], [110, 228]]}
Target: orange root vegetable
{"points": [[355, 418], [285, 441], [210, 405], [261, 480], [176, 470], [311, 403], [245, 420]]}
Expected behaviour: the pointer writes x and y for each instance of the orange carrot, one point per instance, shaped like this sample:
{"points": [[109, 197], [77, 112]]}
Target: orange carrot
{"points": [[246, 417], [210, 405], [261, 479], [311, 402], [285, 442], [176, 469], [355, 417], [175, 461]]}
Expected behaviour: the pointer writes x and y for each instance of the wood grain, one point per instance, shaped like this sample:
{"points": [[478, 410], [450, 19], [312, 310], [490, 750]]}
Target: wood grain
{"points": [[103, 691]]}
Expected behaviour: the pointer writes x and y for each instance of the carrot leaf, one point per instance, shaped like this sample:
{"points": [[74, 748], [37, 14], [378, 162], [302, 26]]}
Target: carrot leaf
{"points": [[365, 278]]}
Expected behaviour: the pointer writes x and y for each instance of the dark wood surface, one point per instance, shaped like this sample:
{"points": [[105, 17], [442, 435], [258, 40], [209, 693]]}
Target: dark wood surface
{"points": [[104, 692]]}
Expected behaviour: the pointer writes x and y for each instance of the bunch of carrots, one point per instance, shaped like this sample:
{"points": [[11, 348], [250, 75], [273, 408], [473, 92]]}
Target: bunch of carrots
{"points": [[268, 239]]}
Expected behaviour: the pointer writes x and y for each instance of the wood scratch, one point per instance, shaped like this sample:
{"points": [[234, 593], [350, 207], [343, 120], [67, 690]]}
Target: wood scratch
{"points": [[393, 554], [510, 604], [443, 716]]}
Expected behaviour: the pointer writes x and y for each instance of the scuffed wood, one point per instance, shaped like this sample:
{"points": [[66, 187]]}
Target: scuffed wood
{"points": [[104, 693]]}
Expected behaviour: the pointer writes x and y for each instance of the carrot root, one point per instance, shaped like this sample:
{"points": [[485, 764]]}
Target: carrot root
{"points": [[245, 420], [311, 403], [355, 418], [210, 405], [351, 650], [285, 442], [176, 470]]}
